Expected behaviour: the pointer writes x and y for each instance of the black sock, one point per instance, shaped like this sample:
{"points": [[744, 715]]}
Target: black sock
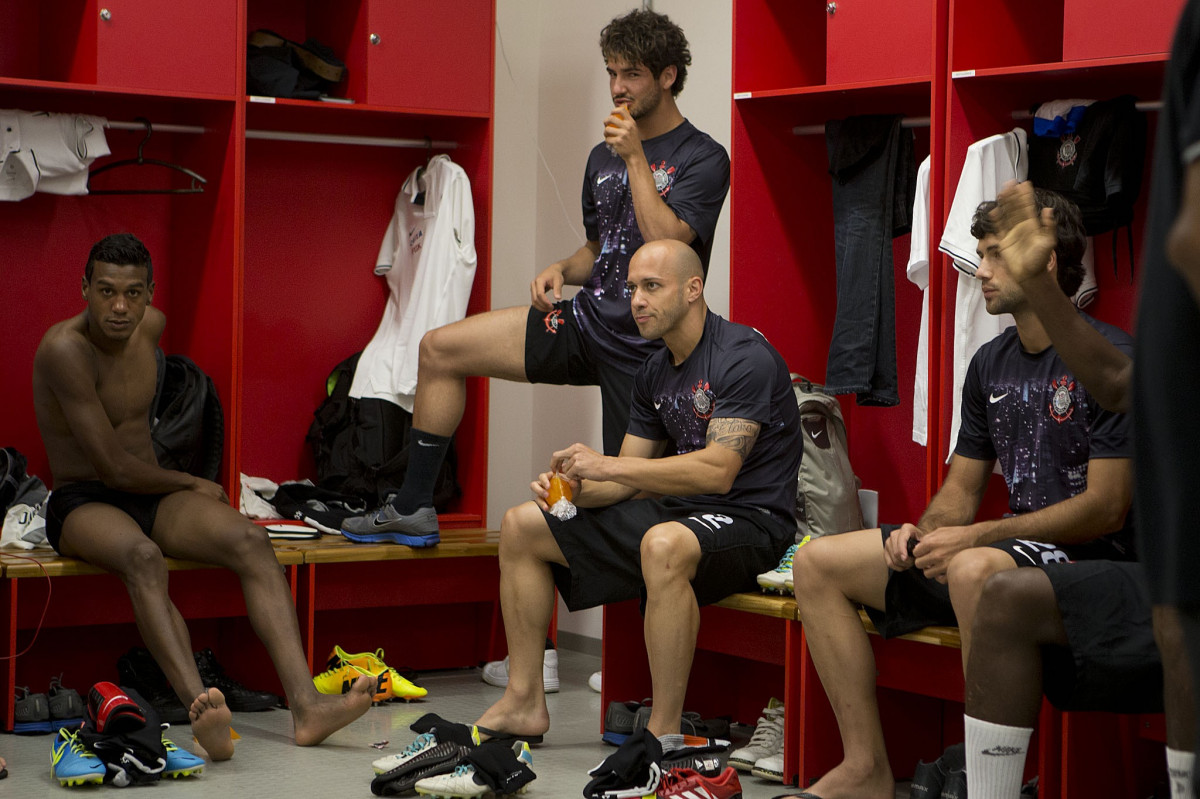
{"points": [[426, 452]]}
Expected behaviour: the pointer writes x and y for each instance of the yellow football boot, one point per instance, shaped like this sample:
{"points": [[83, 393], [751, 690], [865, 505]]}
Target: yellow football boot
{"points": [[372, 663]]}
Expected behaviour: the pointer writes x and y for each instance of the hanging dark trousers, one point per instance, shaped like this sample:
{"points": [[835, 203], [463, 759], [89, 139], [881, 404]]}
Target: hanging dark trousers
{"points": [[874, 178]]}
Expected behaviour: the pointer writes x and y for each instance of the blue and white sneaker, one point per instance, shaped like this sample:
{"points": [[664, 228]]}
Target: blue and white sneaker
{"points": [[416, 529], [72, 763], [180, 762], [775, 581], [424, 741], [463, 783]]}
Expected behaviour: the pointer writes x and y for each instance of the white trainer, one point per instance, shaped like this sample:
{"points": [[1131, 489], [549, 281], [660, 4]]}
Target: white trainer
{"points": [[424, 742], [766, 741], [769, 768], [594, 681], [496, 672]]}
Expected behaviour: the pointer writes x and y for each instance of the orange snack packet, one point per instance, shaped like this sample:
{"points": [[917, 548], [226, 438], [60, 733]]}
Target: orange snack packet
{"points": [[559, 489]]}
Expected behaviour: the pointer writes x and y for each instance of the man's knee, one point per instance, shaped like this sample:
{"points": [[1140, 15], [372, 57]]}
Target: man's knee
{"points": [[970, 569], [1014, 601], [440, 350], [669, 550], [143, 565], [522, 530]]}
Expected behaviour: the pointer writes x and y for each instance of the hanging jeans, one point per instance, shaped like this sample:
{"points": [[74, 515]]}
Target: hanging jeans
{"points": [[874, 177]]}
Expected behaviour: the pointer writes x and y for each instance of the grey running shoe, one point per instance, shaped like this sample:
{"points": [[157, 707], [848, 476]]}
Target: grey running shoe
{"points": [[417, 529]]}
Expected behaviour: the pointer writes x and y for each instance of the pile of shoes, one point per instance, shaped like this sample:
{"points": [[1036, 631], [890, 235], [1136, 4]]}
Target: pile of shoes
{"points": [[138, 670], [450, 761], [343, 669], [38, 713], [763, 755], [120, 741]]}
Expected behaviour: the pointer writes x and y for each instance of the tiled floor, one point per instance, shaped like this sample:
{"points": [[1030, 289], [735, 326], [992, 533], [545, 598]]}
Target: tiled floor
{"points": [[268, 765]]}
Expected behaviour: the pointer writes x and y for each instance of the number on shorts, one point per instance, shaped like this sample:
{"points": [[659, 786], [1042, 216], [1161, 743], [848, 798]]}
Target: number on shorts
{"points": [[713, 521]]}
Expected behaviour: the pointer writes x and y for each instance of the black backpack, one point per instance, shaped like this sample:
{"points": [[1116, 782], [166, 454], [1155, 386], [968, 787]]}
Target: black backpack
{"points": [[361, 445], [187, 425]]}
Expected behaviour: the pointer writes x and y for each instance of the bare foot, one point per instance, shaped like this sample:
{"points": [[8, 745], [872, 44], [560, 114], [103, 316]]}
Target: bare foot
{"points": [[848, 781], [515, 718], [210, 724], [323, 715]]}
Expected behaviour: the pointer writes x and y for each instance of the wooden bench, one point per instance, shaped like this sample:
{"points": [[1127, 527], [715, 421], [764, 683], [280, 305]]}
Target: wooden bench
{"points": [[436, 607], [751, 644]]}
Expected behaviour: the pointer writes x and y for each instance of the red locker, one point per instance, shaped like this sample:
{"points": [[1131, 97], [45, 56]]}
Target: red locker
{"points": [[870, 40], [1112, 28]]}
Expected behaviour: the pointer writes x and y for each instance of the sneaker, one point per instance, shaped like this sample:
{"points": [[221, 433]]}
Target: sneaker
{"points": [[423, 742], [706, 756], [464, 783], [239, 698], [72, 763], [594, 681], [417, 529], [372, 663], [927, 781], [180, 762], [429, 762], [619, 719], [769, 767], [788, 584], [774, 581], [690, 724], [31, 712], [956, 785], [684, 783], [138, 670], [496, 672], [766, 740], [66, 706], [340, 677]]}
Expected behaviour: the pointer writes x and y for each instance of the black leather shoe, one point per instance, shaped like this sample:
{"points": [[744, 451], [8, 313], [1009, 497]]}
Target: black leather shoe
{"points": [[928, 781], [956, 785], [138, 670], [239, 698]]}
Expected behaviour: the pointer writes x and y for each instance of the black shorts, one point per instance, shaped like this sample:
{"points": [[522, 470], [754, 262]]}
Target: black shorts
{"points": [[1112, 663], [913, 601], [142, 508], [603, 549], [557, 352]]}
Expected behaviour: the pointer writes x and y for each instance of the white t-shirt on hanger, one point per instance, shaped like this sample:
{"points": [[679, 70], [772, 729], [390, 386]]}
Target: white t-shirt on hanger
{"points": [[990, 163], [918, 274], [428, 257]]}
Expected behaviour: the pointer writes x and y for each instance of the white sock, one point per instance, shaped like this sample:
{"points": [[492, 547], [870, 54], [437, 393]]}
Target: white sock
{"points": [[995, 758], [670, 743], [1181, 768]]}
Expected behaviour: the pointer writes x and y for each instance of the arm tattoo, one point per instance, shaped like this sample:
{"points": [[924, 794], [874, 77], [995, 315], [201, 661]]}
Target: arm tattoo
{"points": [[738, 435]]}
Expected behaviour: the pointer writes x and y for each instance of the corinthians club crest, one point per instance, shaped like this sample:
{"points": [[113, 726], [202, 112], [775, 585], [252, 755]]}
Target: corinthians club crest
{"points": [[702, 399], [663, 176], [553, 320], [1068, 150], [1062, 404]]}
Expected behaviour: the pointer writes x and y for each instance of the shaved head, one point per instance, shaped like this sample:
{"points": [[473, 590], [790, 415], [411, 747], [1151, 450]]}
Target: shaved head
{"points": [[670, 255]]}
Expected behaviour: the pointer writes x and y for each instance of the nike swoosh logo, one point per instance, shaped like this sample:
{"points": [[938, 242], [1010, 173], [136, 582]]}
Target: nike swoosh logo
{"points": [[657, 405], [602, 178], [993, 399], [814, 434], [425, 443]]}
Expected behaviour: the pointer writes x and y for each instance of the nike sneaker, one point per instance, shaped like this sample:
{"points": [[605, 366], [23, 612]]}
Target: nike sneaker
{"points": [[767, 739], [775, 581], [423, 742], [682, 783], [372, 663], [340, 678], [66, 706], [180, 762], [31, 712], [464, 783], [416, 529], [72, 763], [619, 719], [430, 762]]}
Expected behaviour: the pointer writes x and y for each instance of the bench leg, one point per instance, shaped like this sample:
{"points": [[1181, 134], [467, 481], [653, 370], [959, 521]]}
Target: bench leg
{"points": [[8, 664]]}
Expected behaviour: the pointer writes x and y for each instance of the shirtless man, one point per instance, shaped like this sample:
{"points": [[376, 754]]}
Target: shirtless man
{"points": [[113, 506]]}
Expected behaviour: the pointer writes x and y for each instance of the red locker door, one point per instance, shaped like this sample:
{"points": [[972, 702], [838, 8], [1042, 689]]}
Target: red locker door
{"points": [[431, 54], [182, 46], [868, 40], [1115, 28]]}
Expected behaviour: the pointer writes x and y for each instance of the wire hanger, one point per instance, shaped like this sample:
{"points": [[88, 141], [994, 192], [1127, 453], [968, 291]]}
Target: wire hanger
{"points": [[196, 187]]}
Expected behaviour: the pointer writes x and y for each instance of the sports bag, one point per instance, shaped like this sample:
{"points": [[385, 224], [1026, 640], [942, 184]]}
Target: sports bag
{"points": [[187, 425], [826, 488], [360, 446]]}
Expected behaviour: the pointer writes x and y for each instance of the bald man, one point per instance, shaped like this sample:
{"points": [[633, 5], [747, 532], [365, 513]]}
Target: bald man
{"points": [[706, 520]]}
